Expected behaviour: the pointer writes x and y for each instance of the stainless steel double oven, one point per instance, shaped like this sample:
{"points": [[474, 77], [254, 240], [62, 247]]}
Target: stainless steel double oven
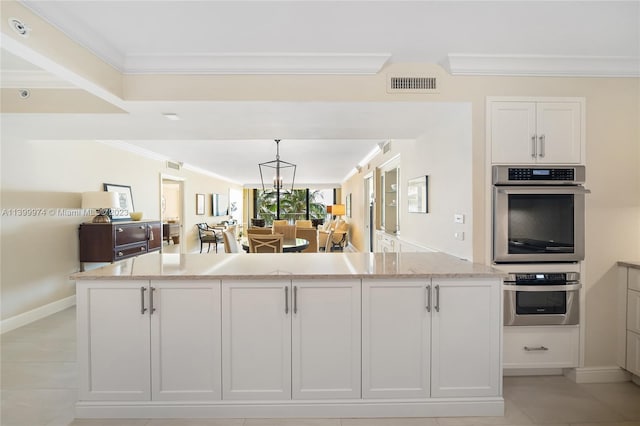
{"points": [[539, 218]]}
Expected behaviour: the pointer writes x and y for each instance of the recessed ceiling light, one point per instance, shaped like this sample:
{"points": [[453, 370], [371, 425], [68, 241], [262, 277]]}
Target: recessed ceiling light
{"points": [[171, 116]]}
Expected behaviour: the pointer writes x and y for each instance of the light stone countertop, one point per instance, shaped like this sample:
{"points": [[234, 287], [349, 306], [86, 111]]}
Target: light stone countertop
{"points": [[289, 265], [630, 264]]}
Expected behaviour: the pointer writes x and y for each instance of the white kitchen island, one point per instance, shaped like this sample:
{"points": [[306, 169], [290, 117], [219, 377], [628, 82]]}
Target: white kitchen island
{"points": [[289, 335]]}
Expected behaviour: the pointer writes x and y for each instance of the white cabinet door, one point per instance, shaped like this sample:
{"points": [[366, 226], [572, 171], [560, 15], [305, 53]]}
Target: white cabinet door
{"points": [[465, 343], [525, 132], [113, 341], [633, 311], [513, 132], [396, 334], [256, 340], [185, 340], [558, 130], [326, 339], [633, 352]]}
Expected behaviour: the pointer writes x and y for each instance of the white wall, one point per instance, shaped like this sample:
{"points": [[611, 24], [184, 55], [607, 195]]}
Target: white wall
{"points": [[40, 252], [443, 152]]}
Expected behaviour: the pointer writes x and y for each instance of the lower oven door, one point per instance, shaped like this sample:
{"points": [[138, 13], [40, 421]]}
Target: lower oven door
{"points": [[542, 304]]}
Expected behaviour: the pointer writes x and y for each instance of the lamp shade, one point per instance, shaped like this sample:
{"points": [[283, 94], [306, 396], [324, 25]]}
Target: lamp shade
{"points": [[338, 210], [100, 200]]}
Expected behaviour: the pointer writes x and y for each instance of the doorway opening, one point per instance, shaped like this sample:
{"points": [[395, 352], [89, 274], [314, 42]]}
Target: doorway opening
{"points": [[172, 214]]}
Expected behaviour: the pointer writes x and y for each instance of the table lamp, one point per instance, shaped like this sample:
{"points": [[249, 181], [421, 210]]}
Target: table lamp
{"points": [[101, 201], [338, 210]]}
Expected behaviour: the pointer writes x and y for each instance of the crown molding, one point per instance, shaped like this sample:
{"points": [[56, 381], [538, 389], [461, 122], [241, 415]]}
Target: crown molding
{"points": [[14, 79], [543, 66], [257, 63]]}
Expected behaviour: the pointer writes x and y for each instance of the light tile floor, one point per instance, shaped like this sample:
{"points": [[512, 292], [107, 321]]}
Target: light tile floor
{"points": [[39, 382]]}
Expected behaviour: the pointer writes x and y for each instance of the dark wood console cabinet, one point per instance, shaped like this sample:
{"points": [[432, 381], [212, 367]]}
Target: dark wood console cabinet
{"points": [[108, 242]]}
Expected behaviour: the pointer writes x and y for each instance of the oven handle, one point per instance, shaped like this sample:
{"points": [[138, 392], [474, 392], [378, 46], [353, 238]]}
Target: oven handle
{"points": [[541, 288], [556, 189]]}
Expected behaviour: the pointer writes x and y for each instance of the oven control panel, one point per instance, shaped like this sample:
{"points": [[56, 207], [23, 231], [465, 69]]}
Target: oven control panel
{"points": [[536, 175], [541, 174]]}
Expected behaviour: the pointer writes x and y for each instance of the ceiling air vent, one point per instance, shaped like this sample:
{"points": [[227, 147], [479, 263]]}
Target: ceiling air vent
{"points": [[173, 165], [412, 85]]}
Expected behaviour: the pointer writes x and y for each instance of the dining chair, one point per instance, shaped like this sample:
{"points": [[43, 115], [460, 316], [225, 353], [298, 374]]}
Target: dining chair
{"points": [[230, 243], [328, 242], [265, 243], [311, 235], [280, 222], [304, 223], [209, 235], [289, 231], [261, 231]]}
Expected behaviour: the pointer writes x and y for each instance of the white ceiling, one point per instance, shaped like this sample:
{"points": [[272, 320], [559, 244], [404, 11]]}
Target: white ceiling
{"points": [[326, 140], [152, 35]]}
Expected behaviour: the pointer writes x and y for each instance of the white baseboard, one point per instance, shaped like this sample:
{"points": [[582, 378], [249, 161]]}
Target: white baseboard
{"points": [[605, 374], [36, 314]]}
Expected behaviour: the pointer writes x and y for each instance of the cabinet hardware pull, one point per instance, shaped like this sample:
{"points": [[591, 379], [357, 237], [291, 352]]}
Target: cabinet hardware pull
{"points": [[120, 230], [437, 306], [141, 248], [286, 300], [428, 298], [151, 308], [142, 309], [295, 299], [539, 348], [542, 139], [534, 152], [120, 253], [142, 226]]}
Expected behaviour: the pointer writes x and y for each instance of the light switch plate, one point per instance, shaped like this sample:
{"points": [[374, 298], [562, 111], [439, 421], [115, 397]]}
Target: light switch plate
{"points": [[458, 218]]}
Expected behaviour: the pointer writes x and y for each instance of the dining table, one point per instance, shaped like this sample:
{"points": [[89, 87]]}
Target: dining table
{"points": [[288, 246]]}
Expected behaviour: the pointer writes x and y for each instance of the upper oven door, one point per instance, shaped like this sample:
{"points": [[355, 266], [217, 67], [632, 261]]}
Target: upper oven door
{"points": [[538, 223]]}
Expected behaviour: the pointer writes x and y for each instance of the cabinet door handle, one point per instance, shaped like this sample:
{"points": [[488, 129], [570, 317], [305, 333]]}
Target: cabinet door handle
{"points": [[538, 348], [142, 249], [534, 147], [142, 227], [120, 229], [428, 298], [142, 308], [151, 308], [120, 254], [542, 139], [295, 299], [437, 305], [286, 300]]}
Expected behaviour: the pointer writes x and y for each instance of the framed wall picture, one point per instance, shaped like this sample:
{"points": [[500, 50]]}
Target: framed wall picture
{"points": [[125, 199], [199, 203], [418, 195], [348, 205]]}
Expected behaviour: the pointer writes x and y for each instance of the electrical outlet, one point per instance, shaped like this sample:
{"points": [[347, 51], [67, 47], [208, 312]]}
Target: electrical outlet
{"points": [[458, 235], [458, 218]]}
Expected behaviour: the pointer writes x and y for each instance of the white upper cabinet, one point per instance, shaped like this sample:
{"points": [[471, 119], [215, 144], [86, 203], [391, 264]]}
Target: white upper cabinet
{"points": [[530, 132]]}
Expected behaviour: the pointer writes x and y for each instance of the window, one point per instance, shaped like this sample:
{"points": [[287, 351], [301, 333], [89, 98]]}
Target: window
{"points": [[294, 205]]}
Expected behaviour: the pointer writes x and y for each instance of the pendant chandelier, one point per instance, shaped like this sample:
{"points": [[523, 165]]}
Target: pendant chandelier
{"points": [[279, 169]]}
